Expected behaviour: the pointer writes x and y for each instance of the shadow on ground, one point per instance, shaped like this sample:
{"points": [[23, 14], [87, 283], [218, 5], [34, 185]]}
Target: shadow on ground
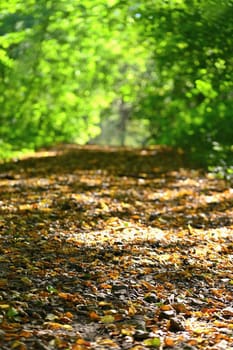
{"points": [[110, 248]]}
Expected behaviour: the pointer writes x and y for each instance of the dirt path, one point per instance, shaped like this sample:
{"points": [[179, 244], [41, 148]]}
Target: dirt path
{"points": [[105, 248]]}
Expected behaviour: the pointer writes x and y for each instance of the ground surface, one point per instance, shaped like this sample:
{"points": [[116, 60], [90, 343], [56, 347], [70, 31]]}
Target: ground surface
{"points": [[114, 249]]}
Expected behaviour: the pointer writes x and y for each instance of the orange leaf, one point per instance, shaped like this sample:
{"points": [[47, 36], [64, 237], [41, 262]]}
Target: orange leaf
{"points": [[68, 314], [165, 307], [105, 286], [135, 217], [82, 341], [169, 342], [53, 325], [25, 334], [94, 316], [181, 308], [79, 347], [148, 285], [56, 325], [64, 295]]}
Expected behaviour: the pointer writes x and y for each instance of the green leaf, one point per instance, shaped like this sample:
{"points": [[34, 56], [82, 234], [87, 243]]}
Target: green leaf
{"points": [[107, 319], [12, 312], [152, 342], [51, 289]]}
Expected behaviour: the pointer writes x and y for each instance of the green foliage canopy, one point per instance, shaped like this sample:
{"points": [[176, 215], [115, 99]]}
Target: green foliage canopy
{"points": [[67, 69], [192, 65]]}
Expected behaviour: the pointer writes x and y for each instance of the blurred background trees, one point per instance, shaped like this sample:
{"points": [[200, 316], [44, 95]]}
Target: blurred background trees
{"points": [[120, 72]]}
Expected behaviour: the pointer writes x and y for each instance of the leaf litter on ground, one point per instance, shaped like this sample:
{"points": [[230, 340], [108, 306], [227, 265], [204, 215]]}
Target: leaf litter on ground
{"points": [[114, 248]]}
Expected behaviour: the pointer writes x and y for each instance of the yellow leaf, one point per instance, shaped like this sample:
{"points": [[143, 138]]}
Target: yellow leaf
{"points": [[3, 283], [67, 327], [105, 303], [18, 345], [132, 310], [107, 342], [107, 319], [128, 330], [26, 281]]}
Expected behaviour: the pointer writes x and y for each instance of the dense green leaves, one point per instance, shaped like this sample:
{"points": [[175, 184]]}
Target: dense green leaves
{"points": [[133, 72], [192, 58]]}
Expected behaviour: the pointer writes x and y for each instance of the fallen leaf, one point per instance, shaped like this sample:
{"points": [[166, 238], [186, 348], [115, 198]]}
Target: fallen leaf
{"points": [[107, 319], [94, 316], [152, 342]]}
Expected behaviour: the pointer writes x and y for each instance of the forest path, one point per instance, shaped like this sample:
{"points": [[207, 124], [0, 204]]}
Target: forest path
{"points": [[114, 248]]}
